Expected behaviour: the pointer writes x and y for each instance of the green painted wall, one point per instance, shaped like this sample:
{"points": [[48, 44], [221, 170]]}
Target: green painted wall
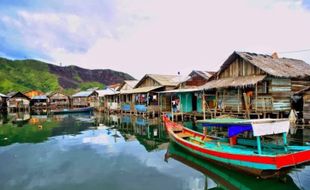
{"points": [[199, 104], [186, 102]]}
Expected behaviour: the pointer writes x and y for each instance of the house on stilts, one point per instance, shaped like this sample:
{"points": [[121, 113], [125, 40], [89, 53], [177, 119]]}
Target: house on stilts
{"points": [[257, 85], [186, 99], [85, 99], [18, 102], [58, 100], [143, 98]]}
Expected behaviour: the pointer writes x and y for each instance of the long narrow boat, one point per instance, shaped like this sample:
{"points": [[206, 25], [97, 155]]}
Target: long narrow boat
{"points": [[252, 156], [226, 178], [73, 110]]}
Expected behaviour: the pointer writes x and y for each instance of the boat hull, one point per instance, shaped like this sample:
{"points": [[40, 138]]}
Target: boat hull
{"points": [[259, 165]]}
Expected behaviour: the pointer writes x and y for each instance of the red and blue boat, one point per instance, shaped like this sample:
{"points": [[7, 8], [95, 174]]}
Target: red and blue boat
{"points": [[260, 154]]}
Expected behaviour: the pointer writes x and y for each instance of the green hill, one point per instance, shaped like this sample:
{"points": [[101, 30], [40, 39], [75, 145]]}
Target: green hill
{"points": [[23, 75]]}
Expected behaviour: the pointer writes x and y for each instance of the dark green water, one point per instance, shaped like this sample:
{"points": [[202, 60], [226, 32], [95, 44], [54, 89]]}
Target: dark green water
{"points": [[111, 152]]}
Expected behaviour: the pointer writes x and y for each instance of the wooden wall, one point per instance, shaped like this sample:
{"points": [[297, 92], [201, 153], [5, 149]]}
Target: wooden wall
{"points": [[240, 67], [148, 82], [195, 80], [306, 109], [229, 99], [299, 84], [280, 90]]}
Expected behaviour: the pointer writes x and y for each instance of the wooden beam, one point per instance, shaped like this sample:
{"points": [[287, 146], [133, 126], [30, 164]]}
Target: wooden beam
{"points": [[238, 99], [256, 97], [203, 104]]}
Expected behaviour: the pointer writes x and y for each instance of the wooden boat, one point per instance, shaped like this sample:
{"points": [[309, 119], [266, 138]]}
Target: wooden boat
{"points": [[226, 178], [252, 156], [73, 110]]}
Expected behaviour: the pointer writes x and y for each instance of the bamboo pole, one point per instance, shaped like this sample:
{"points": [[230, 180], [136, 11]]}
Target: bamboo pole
{"points": [[256, 97], [238, 99], [203, 104]]}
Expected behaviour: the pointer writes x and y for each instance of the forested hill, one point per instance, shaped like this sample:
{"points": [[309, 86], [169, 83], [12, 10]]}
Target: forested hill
{"points": [[23, 75]]}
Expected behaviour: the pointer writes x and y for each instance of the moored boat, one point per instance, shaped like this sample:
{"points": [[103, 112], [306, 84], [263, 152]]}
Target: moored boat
{"points": [[73, 110], [253, 156], [225, 178]]}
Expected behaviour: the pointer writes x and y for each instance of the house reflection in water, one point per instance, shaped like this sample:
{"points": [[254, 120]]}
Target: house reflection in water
{"points": [[149, 132]]}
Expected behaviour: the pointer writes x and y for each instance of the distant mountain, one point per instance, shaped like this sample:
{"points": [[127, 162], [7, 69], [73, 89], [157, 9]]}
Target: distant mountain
{"points": [[23, 75]]}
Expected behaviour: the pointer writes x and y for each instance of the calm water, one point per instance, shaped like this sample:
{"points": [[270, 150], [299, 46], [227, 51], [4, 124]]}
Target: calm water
{"points": [[112, 152]]}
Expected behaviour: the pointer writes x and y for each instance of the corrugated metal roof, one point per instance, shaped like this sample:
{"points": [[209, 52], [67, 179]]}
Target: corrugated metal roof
{"points": [[280, 67], [83, 94], [204, 74], [180, 90], [3, 95], [105, 92], [165, 80], [42, 97], [131, 83], [233, 82], [10, 94], [140, 90]]}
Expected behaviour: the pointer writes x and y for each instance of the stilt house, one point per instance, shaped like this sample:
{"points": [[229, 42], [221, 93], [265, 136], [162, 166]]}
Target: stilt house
{"points": [[258, 84]]}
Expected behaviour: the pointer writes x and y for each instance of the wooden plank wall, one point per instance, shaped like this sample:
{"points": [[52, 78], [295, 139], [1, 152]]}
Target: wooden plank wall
{"points": [[241, 67], [280, 90], [298, 84], [306, 111], [195, 80], [231, 101], [148, 82]]}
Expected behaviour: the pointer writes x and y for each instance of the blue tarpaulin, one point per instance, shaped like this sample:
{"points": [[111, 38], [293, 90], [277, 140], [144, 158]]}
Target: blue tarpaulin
{"points": [[233, 129]]}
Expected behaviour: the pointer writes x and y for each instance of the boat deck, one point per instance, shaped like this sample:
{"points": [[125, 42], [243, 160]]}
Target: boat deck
{"points": [[222, 146]]}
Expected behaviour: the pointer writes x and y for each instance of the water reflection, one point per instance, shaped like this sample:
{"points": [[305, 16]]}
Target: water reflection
{"points": [[39, 128], [224, 178], [149, 132], [84, 151]]}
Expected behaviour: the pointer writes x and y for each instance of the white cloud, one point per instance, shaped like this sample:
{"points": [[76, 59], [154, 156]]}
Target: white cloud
{"points": [[160, 36], [172, 36]]}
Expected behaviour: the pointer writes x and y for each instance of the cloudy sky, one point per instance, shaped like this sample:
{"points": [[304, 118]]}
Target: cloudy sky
{"points": [[152, 36]]}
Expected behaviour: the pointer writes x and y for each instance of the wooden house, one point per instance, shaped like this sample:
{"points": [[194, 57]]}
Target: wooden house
{"points": [[102, 98], [257, 84], [196, 78], [127, 104], [302, 104], [33, 93], [143, 98], [18, 101], [115, 86], [39, 102], [187, 98], [85, 99], [3, 105], [127, 85], [58, 100]]}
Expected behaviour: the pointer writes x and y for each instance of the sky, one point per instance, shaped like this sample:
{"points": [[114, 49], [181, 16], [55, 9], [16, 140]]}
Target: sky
{"points": [[152, 36]]}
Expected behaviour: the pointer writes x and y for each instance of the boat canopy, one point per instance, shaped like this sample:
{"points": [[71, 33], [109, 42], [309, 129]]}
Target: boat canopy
{"points": [[260, 127]]}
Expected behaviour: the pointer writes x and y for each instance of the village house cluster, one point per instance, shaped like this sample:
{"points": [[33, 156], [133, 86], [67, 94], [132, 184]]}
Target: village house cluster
{"points": [[247, 85]]}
